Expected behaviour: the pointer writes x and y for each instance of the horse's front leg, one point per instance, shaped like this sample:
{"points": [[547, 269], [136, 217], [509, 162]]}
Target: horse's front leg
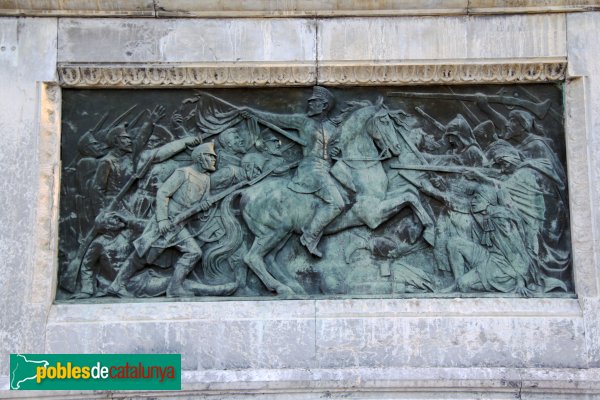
{"points": [[369, 211]]}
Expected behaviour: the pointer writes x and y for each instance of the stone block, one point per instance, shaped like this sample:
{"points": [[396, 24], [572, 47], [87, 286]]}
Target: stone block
{"points": [[223, 335], [21, 41], [180, 41], [591, 317], [450, 333], [244, 344], [439, 38], [584, 47]]}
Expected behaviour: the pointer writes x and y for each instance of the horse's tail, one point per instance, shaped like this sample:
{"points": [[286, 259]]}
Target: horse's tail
{"points": [[214, 258]]}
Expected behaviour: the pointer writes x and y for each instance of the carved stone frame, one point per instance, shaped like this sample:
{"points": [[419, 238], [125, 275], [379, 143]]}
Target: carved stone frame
{"points": [[333, 74], [577, 132]]}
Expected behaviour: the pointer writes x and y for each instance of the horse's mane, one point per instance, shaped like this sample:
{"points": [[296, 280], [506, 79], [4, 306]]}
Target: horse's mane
{"points": [[349, 108], [401, 119]]}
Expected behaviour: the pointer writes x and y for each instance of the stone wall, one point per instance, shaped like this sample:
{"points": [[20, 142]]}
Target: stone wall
{"points": [[393, 348]]}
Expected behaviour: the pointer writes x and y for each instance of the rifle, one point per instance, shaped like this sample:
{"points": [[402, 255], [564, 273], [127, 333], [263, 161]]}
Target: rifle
{"points": [[433, 121], [120, 118], [97, 127], [190, 212], [539, 109], [440, 168], [69, 276]]}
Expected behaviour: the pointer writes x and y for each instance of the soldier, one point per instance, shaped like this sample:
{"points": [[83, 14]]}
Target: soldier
{"points": [[119, 165], [495, 256], [464, 149], [270, 146], [316, 133], [186, 187], [232, 148], [110, 248]]}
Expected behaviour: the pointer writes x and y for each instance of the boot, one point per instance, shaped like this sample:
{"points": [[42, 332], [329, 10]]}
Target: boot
{"points": [[182, 269], [310, 241], [312, 235], [118, 286]]}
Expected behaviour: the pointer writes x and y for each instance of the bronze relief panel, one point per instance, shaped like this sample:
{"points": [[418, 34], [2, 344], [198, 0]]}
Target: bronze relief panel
{"points": [[432, 191]]}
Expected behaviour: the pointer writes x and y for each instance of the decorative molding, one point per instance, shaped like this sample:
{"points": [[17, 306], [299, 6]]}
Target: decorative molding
{"points": [[455, 73], [216, 75], [228, 75]]}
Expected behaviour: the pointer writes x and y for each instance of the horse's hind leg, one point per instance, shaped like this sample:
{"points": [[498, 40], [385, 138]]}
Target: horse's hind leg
{"points": [[281, 273], [255, 260]]}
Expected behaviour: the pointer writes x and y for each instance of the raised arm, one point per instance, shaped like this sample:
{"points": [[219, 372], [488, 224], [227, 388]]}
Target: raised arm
{"points": [[170, 149], [278, 121], [146, 130], [497, 119]]}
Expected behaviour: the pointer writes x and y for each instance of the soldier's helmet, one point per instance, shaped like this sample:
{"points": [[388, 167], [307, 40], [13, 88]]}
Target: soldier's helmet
{"points": [[321, 93], [205, 148], [525, 119], [460, 128], [502, 150], [115, 133]]}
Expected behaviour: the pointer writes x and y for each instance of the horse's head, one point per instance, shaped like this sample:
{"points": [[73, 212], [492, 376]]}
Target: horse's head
{"points": [[382, 129]]}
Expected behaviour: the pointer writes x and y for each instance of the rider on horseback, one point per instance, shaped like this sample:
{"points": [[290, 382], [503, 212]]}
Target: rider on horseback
{"points": [[316, 133]]}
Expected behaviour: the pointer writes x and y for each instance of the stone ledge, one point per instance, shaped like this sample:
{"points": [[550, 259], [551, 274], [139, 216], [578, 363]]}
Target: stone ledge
{"points": [[292, 8], [165, 311], [352, 383], [77, 8]]}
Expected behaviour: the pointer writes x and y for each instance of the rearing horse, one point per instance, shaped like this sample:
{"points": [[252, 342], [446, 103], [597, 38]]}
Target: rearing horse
{"points": [[273, 212]]}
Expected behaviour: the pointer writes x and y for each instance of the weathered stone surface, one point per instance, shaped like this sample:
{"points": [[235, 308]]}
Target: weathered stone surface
{"points": [[590, 307], [191, 8], [210, 40], [138, 8], [332, 334], [377, 383], [225, 335], [449, 333], [530, 6], [21, 41], [583, 50], [290, 8], [428, 38], [578, 144]]}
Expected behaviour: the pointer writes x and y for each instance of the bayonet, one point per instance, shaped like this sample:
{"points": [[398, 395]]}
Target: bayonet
{"points": [[433, 121]]}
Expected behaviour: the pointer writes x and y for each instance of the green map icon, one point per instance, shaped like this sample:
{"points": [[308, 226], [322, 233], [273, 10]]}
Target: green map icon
{"points": [[23, 368]]}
